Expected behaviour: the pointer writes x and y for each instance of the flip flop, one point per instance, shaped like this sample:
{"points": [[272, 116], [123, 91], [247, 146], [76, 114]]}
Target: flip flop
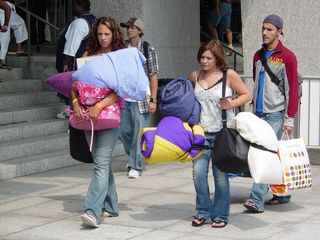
{"points": [[5, 66], [251, 206], [218, 224], [197, 222], [275, 201]]}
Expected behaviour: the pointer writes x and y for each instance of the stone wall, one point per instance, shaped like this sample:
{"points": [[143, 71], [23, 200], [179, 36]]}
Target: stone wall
{"points": [[172, 27], [300, 35]]}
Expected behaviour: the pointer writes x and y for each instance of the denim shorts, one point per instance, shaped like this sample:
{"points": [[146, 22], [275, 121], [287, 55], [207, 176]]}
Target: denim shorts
{"points": [[224, 19]]}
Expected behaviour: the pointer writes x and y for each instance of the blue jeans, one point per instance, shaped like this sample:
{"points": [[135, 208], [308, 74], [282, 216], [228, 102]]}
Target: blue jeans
{"points": [[205, 208], [102, 195], [259, 191], [132, 122]]}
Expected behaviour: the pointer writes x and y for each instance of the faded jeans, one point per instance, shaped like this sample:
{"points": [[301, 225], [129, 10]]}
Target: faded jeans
{"points": [[102, 195], [205, 208], [132, 123], [259, 191]]}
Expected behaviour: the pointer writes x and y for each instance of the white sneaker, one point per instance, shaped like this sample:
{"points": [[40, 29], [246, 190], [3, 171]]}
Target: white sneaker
{"points": [[63, 115], [89, 220], [229, 52], [133, 174]]}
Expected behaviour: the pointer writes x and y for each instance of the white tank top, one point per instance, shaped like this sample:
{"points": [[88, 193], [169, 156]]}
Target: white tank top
{"points": [[210, 117]]}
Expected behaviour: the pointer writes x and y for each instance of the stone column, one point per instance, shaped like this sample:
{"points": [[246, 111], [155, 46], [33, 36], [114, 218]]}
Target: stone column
{"points": [[172, 27]]}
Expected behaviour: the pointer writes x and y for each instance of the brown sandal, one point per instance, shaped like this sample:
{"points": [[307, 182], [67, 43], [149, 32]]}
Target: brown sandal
{"points": [[4, 66], [197, 222], [218, 224], [276, 201]]}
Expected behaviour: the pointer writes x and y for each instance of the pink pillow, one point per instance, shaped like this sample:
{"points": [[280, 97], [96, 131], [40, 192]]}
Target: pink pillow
{"points": [[61, 82], [109, 118], [90, 94]]}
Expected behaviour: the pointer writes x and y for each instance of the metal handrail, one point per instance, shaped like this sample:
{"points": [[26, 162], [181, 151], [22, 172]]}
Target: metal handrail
{"points": [[234, 52], [29, 13], [38, 17]]}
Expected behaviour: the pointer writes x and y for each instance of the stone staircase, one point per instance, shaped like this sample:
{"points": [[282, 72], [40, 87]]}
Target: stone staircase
{"points": [[32, 139]]}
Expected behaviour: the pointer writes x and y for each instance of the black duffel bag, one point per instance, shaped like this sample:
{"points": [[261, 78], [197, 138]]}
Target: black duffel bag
{"points": [[230, 153], [79, 148]]}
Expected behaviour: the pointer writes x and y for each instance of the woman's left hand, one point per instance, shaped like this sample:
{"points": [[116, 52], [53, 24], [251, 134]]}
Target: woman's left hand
{"points": [[225, 103], [93, 113]]}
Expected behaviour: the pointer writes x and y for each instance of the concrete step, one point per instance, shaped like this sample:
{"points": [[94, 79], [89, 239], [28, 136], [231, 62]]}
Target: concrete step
{"points": [[35, 164], [13, 74], [47, 161], [27, 130], [33, 146], [22, 85], [33, 113], [48, 48], [42, 65], [23, 99]]}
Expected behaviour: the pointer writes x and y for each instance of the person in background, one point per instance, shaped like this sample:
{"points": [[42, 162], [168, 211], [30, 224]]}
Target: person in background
{"points": [[220, 16], [207, 84], [37, 28], [136, 115], [17, 24], [5, 16], [5, 13], [276, 104], [73, 41], [101, 199]]}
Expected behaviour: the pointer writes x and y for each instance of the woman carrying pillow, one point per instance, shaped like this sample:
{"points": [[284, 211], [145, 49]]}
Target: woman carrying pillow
{"points": [[101, 199]]}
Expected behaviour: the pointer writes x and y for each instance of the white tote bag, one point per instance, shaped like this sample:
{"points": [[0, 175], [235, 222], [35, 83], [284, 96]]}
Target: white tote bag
{"points": [[295, 165]]}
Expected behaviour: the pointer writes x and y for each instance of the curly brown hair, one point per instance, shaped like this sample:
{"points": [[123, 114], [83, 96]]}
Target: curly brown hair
{"points": [[93, 46]]}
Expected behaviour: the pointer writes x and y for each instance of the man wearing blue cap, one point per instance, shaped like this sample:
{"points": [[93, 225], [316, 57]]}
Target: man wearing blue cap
{"points": [[275, 96]]}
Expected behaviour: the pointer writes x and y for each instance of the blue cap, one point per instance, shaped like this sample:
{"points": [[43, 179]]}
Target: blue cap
{"points": [[274, 20]]}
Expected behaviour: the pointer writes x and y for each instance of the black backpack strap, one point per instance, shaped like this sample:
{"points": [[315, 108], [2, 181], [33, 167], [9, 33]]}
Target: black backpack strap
{"points": [[261, 147], [224, 83], [145, 46], [272, 76], [201, 147], [263, 60], [206, 147]]}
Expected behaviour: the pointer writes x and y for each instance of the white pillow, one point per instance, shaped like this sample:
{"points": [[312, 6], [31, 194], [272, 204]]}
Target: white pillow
{"points": [[255, 130], [265, 167]]}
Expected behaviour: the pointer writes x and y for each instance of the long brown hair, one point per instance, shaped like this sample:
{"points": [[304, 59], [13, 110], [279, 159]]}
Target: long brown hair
{"points": [[215, 47], [117, 36]]}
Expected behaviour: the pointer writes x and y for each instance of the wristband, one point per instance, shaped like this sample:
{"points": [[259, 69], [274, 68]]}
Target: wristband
{"points": [[99, 105], [74, 100]]}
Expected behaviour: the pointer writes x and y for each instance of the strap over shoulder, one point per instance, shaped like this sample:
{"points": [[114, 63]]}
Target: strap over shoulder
{"points": [[224, 83]]}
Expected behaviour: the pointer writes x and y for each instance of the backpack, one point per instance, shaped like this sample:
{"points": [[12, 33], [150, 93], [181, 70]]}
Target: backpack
{"points": [[145, 46]]}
